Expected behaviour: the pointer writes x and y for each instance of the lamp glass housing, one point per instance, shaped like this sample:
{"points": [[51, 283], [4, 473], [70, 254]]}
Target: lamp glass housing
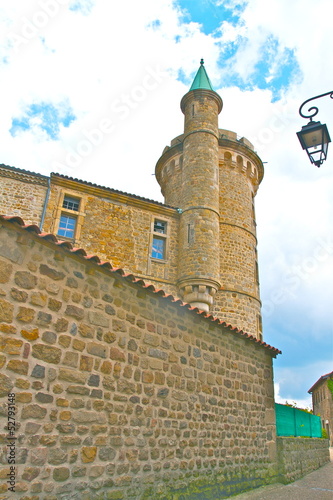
{"points": [[314, 138]]}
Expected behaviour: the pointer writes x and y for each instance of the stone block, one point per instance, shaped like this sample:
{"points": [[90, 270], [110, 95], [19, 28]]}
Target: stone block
{"points": [[54, 305], [25, 314], [23, 397], [46, 353], [96, 318], [51, 273], [38, 371], [30, 473], [116, 354], [6, 311], [25, 280], [33, 411], [10, 329], [88, 454], [6, 385], [61, 325], [72, 376], [94, 380], [38, 299], [86, 331], [6, 270], [19, 295], [42, 397], [71, 359], [109, 337], [106, 367], [57, 456], [74, 312], [44, 318], [97, 349], [18, 366], [31, 334], [49, 337], [10, 346], [38, 456], [64, 340], [61, 473], [158, 353]]}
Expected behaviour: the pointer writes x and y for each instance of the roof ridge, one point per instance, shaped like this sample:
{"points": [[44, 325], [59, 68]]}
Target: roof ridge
{"points": [[111, 189]]}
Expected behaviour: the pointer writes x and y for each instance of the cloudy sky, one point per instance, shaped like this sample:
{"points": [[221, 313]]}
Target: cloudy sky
{"points": [[91, 89]]}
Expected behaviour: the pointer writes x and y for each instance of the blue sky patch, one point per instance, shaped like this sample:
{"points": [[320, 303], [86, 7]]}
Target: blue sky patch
{"points": [[155, 24], [275, 70], [44, 116], [82, 6], [209, 13]]}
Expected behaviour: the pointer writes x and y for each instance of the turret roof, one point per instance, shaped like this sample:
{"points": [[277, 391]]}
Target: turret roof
{"points": [[201, 80]]}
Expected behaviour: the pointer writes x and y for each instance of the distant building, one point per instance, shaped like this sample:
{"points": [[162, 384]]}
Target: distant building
{"points": [[322, 402]]}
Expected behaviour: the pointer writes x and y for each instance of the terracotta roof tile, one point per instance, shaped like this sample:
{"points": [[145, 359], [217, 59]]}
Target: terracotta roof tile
{"points": [[80, 252]]}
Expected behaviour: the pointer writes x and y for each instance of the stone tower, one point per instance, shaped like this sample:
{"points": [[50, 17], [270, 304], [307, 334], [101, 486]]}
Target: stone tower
{"points": [[211, 176]]}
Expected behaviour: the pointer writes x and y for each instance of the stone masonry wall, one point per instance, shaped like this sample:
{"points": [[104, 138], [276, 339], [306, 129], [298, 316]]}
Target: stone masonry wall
{"points": [[22, 194], [120, 393], [120, 232], [300, 456]]}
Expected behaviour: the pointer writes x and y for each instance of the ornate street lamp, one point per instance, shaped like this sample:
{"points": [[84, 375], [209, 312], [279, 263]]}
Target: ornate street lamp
{"points": [[314, 136]]}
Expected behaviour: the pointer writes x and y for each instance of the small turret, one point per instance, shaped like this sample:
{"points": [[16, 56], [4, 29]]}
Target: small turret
{"points": [[196, 194]]}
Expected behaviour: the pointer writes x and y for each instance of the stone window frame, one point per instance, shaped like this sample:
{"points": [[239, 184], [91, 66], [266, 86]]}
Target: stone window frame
{"points": [[79, 214], [162, 236]]}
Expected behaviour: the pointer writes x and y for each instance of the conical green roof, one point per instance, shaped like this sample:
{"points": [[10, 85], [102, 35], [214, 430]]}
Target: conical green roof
{"points": [[201, 80]]}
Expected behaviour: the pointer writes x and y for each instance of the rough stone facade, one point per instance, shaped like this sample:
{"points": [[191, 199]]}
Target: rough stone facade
{"points": [[122, 392], [22, 193], [299, 456]]}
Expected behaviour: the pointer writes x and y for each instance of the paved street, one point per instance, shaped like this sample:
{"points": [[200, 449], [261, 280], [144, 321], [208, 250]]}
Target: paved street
{"points": [[316, 485]]}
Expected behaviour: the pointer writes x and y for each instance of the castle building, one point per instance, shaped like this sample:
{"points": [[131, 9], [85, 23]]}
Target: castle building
{"points": [[200, 245], [121, 389]]}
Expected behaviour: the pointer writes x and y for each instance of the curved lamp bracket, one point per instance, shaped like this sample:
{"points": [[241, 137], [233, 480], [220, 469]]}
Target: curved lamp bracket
{"points": [[313, 110]]}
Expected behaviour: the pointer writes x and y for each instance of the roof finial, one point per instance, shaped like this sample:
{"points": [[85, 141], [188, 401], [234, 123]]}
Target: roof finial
{"points": [[202, 61]]}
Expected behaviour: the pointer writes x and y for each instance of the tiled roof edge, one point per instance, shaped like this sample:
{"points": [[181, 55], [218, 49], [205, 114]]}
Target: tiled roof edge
{"points": [[87, 183], [321, 379], [22, 171], [81, 253], [116, 191]]}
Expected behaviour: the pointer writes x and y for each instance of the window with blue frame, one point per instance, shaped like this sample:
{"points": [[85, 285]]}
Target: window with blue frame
{"points": [[67, 226], [158, 250], [159, 240]]}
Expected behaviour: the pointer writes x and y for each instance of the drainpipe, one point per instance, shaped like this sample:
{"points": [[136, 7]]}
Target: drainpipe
{"points": [[45, 202]]}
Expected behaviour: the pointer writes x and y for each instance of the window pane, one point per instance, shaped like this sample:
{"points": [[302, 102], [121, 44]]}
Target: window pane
{"points": [[158, 250], [67, 226], [71, 203], [160, 226]]}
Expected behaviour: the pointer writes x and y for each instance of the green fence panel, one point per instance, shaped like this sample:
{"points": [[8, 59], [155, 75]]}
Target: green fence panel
{"points": [[302, 423], [315, 426], [285, 422], [297, 423]]}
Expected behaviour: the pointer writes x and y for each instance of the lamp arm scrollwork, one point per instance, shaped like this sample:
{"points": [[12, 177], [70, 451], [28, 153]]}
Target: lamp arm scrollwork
{"points": [[313, 110]]}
